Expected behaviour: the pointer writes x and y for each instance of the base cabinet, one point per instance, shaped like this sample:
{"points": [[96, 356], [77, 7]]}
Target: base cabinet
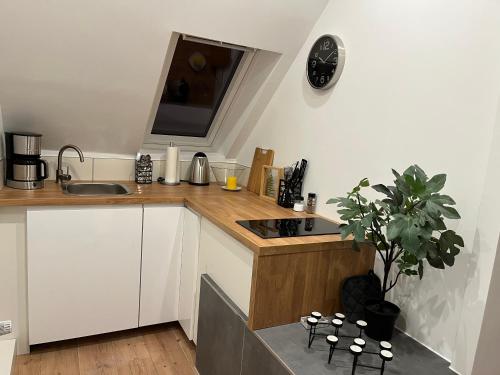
{"points": [[221, 328], [83, 270], [226, 346], [98, 269], [161, 263]]}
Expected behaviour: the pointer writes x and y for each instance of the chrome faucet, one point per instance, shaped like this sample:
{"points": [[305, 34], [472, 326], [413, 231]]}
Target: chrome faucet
{"points": [[60, 175]]}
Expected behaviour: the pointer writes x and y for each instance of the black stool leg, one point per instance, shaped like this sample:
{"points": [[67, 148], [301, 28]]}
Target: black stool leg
{"points": [[382, 368]]}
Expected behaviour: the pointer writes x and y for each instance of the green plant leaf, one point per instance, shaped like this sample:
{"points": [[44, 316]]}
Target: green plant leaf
{"points": [[428, 249], [332, 201], [410, 235], [417, 187], [434, 208], [420, 174], [436, 262], [364, 182], [346, 230], [404, 227], [436, 183], [359, 232], [394, 228], [367, 220], [449, 240], [382, 189]]}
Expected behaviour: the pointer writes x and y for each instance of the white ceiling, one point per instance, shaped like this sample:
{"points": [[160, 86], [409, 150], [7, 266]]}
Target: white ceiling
{"points": [[87, 72]]}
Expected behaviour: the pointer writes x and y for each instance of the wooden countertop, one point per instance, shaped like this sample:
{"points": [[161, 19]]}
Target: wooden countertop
{"points": [[221, 207]]}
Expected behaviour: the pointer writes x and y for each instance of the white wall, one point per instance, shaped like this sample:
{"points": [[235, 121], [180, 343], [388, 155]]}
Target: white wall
{"points": [[420, 85], [13, 275], [481, 294], [487, 360], [86, 72]]}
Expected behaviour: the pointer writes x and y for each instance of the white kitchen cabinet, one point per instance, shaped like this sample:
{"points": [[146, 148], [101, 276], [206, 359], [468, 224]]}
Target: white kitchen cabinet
{"points": [[228, 262], [189, 264], [83, 270], [161, 263]]}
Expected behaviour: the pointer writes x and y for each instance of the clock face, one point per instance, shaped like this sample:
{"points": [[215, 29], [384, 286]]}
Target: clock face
{"points": [[325, 62]]}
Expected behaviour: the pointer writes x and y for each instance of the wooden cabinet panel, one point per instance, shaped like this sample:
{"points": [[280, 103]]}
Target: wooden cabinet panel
{"points": [[161, 263], [286, 287], [83, 270]]}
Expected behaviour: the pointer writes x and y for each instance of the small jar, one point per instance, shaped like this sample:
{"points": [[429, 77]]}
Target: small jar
{"points": [[311, 203], [299, 204]]}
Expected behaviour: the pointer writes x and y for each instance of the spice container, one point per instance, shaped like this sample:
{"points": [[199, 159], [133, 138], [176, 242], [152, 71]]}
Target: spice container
{"points": [[299, 204], [311, 203]]}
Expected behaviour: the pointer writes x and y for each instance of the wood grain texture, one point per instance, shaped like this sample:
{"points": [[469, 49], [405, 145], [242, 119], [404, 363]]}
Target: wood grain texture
{"points": [[155, 350], [221, 207], [261, 157], [288, 286]]}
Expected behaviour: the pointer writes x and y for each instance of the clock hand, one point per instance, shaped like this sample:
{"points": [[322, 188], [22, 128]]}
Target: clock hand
{"points": [[323, 61], [329, 55]]}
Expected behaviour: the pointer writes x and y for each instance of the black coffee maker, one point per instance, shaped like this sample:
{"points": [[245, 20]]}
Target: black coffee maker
{"points": [[25, 170]]}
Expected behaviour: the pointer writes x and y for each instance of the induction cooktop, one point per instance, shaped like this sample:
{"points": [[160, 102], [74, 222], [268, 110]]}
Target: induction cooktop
{"points": [[294, 227]]}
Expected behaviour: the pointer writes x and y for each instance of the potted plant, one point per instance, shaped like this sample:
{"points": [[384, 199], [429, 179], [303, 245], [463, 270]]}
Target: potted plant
{"points": [[407, 229]]}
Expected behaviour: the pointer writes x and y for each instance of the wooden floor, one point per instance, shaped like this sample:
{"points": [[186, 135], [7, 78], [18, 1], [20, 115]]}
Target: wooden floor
{"points": [[161, 350]]}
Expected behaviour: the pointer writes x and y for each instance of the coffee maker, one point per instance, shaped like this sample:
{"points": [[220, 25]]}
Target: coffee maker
{"points": [[25, 170]]}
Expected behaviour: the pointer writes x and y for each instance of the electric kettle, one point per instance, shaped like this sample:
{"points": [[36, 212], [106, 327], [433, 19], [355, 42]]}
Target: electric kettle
{"points": [[200, 170]]}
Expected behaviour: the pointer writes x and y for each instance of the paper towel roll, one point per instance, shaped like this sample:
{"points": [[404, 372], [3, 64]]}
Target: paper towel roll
{"points": [[172, 165]]}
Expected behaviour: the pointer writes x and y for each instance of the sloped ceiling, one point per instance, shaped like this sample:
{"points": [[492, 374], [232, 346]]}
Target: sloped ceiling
{"points": [[86, 72]]}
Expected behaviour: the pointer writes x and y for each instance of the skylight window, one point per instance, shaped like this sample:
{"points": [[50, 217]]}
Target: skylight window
{"points": [[197, 83]]}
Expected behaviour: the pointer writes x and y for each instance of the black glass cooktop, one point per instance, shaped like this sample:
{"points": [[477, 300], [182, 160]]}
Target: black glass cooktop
{"points": [[295, 227]]}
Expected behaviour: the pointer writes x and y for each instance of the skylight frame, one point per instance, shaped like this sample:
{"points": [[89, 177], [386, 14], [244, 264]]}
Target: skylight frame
{"points": [[159, 141]]}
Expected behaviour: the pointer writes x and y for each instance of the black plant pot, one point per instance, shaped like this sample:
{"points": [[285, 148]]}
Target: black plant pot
{"points": [[381, 317]]}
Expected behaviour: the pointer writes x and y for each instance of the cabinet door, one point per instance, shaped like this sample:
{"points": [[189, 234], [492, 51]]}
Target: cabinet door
{"points": [[189, 264], [161, 263], [83, 270], [228, 262]]}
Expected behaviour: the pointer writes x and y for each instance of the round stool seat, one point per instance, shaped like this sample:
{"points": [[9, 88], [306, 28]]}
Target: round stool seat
{"points": [[361, 324], [337, 323], [316, 315], [340, 316], [385, 345], [332, 339], [312, 321], [359, 342], [386, 355], [355, 350]]}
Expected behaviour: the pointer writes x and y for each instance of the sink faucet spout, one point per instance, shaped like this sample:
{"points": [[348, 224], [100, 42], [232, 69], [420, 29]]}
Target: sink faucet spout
{"points": [[60, 175]]}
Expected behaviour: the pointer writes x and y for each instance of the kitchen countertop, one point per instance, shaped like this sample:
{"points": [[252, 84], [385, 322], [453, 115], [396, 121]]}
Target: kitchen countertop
{"points": [[221, 207]]}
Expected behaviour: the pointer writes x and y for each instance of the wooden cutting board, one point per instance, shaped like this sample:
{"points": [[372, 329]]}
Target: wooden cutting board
{"points": [[260, 157]]}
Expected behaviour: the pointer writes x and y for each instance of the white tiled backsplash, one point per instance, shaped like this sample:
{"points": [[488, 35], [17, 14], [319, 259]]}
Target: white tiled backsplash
{"points": [[114, 169]]}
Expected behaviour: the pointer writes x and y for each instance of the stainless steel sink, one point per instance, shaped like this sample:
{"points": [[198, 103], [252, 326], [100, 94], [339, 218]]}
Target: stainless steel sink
{"points": [[90, 188]]}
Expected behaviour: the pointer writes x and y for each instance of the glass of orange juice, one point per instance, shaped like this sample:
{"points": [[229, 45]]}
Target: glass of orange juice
{"points": [[232, 182]]}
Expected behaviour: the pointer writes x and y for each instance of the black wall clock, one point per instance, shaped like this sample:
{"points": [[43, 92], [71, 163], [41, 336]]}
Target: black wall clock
{"points": [[325, 62]]}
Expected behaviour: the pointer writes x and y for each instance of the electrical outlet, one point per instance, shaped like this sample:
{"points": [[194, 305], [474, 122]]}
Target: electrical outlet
{"points": [[5, 327]]}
